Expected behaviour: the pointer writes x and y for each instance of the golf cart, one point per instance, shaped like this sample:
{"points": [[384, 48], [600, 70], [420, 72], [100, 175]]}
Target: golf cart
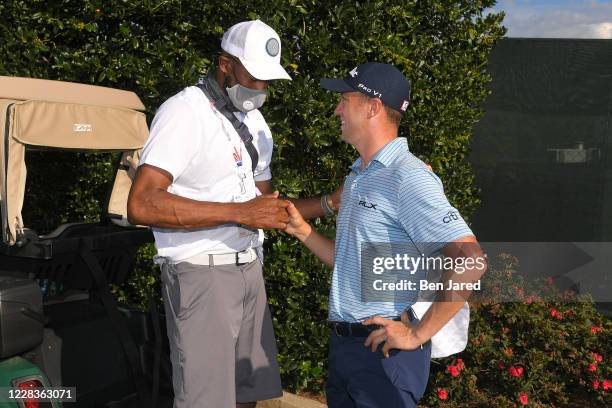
{"points": [[59, 324]]}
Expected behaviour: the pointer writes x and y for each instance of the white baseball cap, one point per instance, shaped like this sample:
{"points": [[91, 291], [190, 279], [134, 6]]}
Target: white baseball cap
{"points": [[258, 48]]}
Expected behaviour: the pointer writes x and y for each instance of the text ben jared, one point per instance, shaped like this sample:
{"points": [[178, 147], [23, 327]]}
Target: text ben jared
{"points": [[407, 264]]}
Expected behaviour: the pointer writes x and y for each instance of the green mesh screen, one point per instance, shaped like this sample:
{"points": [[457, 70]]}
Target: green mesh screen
{"points": [[541, 153]]}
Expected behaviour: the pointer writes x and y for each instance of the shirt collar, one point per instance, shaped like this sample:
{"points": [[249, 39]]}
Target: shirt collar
{"points": [[386, 155]]}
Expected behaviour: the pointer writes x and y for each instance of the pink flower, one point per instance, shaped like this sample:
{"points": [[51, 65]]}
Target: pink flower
{"points": [[523, 398], [596, 329], [606, 385], [554, 312], [442, 394], [592, 367], [595, 384], [597, 357], [508, 352], [460, 364], [529, 300], [453, 370], [515, 371]]}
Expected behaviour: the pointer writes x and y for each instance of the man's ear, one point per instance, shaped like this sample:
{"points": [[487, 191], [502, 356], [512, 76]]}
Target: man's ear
{"points": [[224, 63], [375, 107]]}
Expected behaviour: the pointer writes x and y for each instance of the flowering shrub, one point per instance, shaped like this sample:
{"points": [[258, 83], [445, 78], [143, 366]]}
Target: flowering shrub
{"points": [[529, 353]]}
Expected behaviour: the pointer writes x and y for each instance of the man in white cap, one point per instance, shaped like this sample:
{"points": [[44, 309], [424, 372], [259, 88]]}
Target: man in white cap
{"points": [[204, 185]]}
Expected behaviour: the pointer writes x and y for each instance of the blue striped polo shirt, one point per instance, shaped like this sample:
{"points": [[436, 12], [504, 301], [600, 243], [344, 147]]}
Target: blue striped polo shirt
{"points": [[394, 199]]}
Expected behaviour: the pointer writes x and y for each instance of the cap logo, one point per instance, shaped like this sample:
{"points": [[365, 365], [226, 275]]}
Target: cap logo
{"points": [[354, 73], [272, 47], [404, 106], [370, 90]]}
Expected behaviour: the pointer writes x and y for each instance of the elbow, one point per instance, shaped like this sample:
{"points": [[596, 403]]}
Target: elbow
{"points": [[135, 215]]}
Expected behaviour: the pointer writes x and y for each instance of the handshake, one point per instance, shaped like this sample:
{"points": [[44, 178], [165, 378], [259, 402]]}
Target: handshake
{"points": [[271, 212]]}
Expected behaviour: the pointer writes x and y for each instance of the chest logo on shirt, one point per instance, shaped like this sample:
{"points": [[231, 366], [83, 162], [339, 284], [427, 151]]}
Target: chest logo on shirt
{"points": [[367, 205], [451, 216]]}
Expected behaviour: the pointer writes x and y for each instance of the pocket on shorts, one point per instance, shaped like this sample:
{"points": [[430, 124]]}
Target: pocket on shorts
{"points": [[409, 370], [171, 289], [192, 283]]}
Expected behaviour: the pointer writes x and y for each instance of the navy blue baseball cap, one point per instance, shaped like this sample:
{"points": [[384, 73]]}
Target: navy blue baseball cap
{"points": [[376, 80]]}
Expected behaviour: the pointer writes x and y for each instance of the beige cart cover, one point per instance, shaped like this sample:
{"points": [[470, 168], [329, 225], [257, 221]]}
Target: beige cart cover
{"points": [[53, 114]]}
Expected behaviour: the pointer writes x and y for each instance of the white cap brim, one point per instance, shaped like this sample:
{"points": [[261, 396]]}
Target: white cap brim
{"points": [[265, 71]]}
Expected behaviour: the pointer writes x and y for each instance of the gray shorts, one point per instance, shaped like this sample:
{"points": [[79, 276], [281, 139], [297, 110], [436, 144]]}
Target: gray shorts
{"points": [[222, 344]]}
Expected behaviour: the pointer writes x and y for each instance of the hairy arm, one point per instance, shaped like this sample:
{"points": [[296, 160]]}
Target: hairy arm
{"points": [[149, 203]]}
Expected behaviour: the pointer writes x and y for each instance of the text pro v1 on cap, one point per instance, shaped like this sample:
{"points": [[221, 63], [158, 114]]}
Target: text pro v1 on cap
{"points": [[258, 48], [376, 80]]}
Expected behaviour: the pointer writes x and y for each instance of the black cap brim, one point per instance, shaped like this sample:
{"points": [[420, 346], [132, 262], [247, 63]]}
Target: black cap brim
{"points": [[336, 85]]}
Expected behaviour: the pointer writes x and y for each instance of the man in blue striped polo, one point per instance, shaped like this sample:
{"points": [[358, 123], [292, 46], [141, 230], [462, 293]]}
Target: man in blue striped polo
{"points": [[392, 197]]}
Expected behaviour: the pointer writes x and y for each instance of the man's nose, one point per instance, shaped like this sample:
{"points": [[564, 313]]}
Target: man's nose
{"points": [[338, 110]]}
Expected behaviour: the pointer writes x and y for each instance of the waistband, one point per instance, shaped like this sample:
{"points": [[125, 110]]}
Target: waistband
{"points": [[233, 258], [345, 329]]}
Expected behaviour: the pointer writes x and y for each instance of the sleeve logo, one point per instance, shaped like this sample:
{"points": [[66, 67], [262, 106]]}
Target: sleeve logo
{"points": [[450, 216]]}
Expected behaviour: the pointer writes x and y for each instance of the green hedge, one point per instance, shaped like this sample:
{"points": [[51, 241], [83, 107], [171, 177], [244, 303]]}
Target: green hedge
{"points": [[156, 47]]}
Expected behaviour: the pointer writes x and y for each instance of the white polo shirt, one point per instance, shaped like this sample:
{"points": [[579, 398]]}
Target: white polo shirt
{"points": [[208, 161]]}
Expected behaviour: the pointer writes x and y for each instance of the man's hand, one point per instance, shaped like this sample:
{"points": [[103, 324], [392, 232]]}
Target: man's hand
{"points": [[322, 247], [265, 211], [396, 335], [297, 226]]}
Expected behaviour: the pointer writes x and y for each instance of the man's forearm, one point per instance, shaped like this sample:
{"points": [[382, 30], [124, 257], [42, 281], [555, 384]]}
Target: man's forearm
{"points": [[166, 210], [322, 247], [309, 207], [449, 300], [319, 206]]}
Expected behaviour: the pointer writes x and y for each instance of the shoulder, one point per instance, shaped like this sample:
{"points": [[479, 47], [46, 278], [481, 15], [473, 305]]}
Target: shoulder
{"points": [[409, 168], [187, 103], [415, 180]]}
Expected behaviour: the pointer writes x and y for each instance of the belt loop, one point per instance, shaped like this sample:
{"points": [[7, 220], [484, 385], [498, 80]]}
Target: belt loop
{"points": [[211, 261], [160, 260]]}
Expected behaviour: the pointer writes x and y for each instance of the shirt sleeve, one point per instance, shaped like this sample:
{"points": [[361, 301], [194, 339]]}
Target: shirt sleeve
{"points": [[425, 213], [174, 138]]}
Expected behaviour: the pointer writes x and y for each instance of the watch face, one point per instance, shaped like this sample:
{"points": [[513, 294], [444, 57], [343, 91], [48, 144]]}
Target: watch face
{"points": [[272, 47]]}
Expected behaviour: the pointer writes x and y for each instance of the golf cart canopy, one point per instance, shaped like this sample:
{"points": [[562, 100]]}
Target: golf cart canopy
{"points": [[64, 115]]}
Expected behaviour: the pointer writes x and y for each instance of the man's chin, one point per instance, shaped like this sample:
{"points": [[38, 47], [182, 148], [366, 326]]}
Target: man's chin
{"points": [[344, 135]]}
